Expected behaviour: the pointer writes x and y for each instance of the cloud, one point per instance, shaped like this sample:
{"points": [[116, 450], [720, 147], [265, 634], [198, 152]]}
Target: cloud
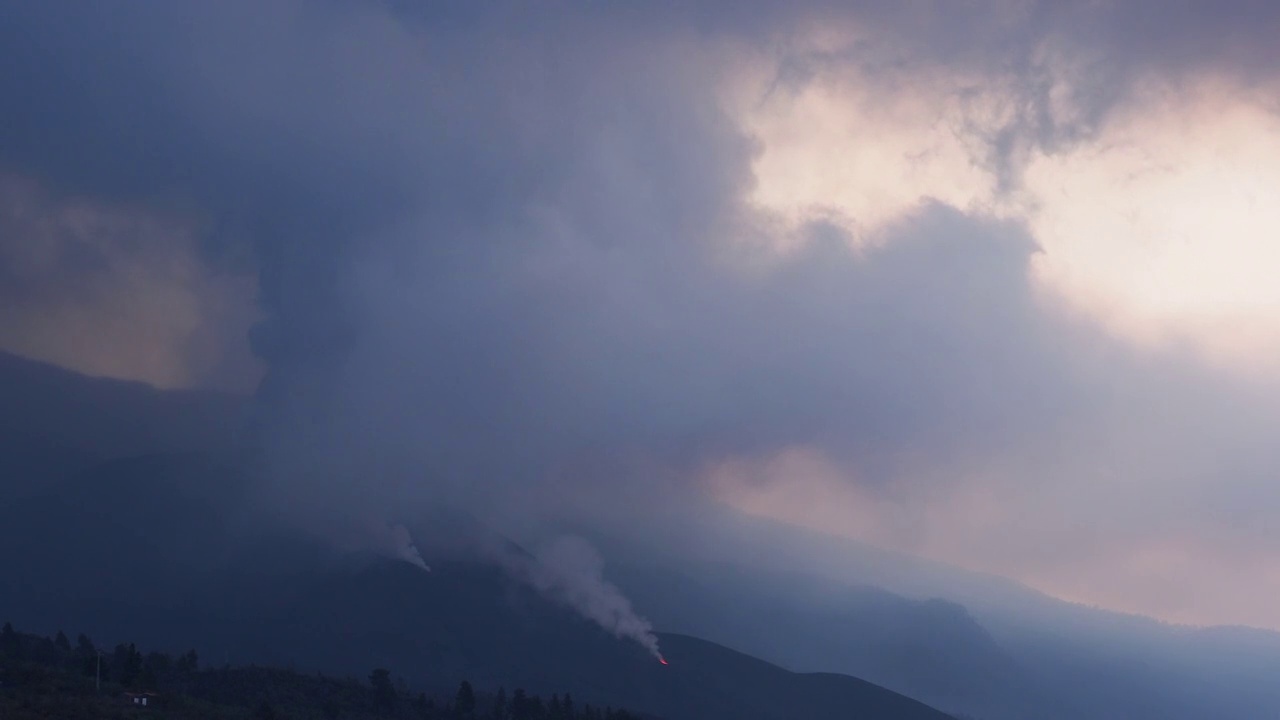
{"points": [[119, 291], [1161, 227], [515, 258], [1148, 208]]}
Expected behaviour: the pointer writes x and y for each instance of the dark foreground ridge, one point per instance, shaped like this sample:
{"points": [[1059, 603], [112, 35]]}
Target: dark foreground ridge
{"points": [[44, 678]]}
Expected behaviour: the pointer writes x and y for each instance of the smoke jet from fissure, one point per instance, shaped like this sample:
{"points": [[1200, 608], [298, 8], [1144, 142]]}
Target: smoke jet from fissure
{"points": [[571, 571]]}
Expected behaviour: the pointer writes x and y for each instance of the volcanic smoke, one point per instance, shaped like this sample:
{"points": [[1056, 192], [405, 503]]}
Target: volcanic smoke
{"points": [[571, 571], [393, 541]]}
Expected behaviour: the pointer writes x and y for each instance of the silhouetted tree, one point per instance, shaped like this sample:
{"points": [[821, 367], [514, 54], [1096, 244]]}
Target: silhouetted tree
{"points": [[384, 692], [264, 711], [189, 662], [127, 662], [499, 711], [421, 706], [159, 663], [61, 642], [519, 705], [9, 642], [464, 703], [88, 655]]}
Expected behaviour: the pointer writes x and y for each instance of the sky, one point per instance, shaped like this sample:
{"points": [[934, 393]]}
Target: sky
{"points": [[986, 282]]}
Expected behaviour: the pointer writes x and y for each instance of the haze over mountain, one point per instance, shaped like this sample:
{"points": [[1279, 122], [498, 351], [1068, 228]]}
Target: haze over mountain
{"points": [[866, 317], [175, 549]]}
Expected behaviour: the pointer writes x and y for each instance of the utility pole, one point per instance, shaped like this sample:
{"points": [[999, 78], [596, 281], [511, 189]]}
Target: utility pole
{"points": [[97, 681]]}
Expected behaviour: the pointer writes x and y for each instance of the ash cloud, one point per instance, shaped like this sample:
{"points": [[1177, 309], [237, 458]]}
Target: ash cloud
{"points": [[504, 252]]}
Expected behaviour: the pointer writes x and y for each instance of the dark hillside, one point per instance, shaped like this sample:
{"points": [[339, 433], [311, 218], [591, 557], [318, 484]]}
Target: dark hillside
{"points": [[43, 678], [161, 550], [54, 421]]}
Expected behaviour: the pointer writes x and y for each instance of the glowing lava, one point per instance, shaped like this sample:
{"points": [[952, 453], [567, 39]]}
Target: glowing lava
{"points": [[663, 661]]}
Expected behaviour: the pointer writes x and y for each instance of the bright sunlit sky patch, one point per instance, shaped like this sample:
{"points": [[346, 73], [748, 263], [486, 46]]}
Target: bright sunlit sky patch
{"points": [[1163, 224]]}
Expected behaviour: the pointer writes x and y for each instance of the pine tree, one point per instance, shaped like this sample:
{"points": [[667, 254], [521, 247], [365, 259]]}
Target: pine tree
{"points": [[9, 642], [62, 642], [127, 662], [537, 710], [146, 678], [421, 708], [384, 692], [464, 703], [499, 711], [519, 705], [189, 662], [567, 707]]}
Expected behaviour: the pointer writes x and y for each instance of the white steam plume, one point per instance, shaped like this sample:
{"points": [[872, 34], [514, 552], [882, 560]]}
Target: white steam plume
{"points": [[571, 571], [395, 541]]}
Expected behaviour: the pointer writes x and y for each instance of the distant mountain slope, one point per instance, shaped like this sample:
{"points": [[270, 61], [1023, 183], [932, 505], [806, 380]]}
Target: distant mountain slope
{"points": [[165, 544], [54, 421], [466, 620], [931, 649], [1008, 654], [161, 550], [765, 690], [141, 526]]}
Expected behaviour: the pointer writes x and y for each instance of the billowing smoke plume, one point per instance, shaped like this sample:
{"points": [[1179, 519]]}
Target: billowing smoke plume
{"points": [[396, 542], [571, 571], [405, 549]]}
